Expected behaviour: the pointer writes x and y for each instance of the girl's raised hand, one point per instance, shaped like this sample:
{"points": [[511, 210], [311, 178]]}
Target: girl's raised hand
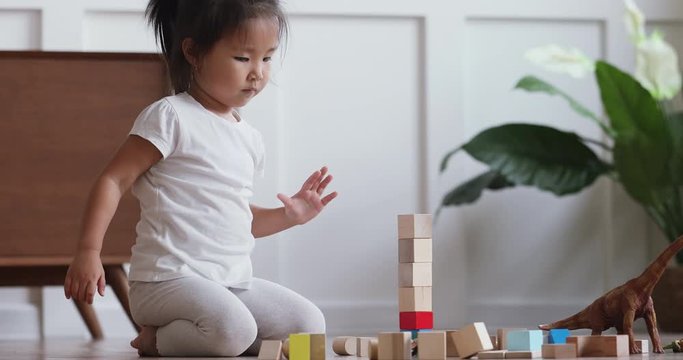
{"points": [[308, 203], [84, 277]]}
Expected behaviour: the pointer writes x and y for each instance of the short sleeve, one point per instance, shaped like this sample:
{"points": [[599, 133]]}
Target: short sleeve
{"points": [[158, 124], [260, 168]]}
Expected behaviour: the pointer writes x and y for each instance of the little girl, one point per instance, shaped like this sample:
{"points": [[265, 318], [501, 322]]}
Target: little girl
{"points": [[190, 159]]}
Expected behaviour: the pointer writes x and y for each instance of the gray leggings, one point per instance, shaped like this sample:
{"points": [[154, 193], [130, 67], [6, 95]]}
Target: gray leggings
{"points": [[198, 317]]}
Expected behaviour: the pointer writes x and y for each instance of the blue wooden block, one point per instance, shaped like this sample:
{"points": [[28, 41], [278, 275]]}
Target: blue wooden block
{"points": [[525, 340], [558, 336]]}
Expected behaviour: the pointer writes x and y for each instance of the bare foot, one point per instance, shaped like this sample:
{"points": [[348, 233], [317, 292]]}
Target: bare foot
{"points": [[146, 342]]}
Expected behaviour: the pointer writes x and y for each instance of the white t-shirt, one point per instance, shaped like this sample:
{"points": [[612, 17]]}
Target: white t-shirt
{"points": [[195, 215]]}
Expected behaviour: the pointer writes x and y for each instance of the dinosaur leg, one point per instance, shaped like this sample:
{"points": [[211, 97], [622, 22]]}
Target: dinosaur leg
{"points": [[651, 323], [627, 329]]}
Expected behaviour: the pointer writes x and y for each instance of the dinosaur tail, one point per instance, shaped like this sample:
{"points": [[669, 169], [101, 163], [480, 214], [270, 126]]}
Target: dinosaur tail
{"points": [[654, 271], [576, 321]]}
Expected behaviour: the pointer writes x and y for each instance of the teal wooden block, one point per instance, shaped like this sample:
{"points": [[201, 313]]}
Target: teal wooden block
{"points": [[525, 340], [558, 336]]}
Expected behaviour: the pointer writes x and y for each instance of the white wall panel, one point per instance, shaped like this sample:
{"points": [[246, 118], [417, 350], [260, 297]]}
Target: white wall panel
{"points": [[364, 123], [20, 29], [117, 31]]}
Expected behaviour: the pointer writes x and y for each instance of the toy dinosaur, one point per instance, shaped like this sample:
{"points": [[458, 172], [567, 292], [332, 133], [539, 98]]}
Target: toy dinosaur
{"points": [[621, 306], [676, 346]]}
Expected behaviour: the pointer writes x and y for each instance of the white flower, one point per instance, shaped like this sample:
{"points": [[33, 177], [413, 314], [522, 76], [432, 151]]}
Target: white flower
{"points": [[555, 58], [657, 67], [656, 61], [635, 21]]}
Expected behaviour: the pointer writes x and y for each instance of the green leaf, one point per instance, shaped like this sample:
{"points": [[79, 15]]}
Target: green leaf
{"points": [[534, 84], [444, 161], [471, 190], [643, 147], [675, 123], [537, 155]]}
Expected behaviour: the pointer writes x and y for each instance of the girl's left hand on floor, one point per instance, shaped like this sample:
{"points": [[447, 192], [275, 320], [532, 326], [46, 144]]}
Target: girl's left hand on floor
{"points": [[308, 203]]}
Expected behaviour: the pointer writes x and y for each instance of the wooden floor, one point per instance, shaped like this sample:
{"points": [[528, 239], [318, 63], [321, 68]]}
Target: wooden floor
{"points": [[119, 349]]}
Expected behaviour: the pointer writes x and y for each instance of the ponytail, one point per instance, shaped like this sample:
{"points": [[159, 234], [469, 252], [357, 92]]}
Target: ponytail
{"points": [[162, 16]]}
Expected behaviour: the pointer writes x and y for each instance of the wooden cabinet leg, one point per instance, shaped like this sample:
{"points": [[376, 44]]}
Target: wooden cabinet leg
{"points": [[117, 279], [90, 317]]}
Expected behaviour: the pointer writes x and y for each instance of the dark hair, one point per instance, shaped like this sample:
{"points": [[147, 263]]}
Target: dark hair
{"points": [[205, 22]]}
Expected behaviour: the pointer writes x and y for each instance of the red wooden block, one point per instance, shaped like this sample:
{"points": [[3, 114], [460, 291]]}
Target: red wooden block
{"points": [[414, 320]]}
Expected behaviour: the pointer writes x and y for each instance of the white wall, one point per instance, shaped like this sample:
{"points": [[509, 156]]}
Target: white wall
{"points": [[379, 90]]}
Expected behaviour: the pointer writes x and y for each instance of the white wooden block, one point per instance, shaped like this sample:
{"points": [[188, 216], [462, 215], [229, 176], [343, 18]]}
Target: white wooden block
{"points": [[644, 345], [472, 339], [414, 250], [414, 226], [270, 350], [414, 274], [415, 298]]}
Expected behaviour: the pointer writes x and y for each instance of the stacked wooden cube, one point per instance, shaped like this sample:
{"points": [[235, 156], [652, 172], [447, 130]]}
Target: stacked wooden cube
{"points": [[415, 272]]}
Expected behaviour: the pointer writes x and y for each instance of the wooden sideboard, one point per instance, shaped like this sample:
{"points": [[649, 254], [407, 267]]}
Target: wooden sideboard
{"points": [[62, 117]]}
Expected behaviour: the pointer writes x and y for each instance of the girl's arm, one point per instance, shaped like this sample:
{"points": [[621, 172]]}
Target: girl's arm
{"points": [[86, 274], [299, 209], [269, 221]]}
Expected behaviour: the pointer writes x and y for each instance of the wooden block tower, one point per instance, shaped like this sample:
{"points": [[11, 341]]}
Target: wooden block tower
{"points": [[415, 272]]}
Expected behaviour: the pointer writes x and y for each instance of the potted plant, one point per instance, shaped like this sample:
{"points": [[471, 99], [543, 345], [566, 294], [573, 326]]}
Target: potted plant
{"points": [[644, 137]]}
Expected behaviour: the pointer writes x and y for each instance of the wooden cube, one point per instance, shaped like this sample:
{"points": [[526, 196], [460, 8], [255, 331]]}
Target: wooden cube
{"points": [[472, 339], [415, 250], [558, 351], [525, 340], [644, 345], [344, 345], [318, 346], [415, 298], [394, 346], [600, 345], [431, 345], [270, 350], [415, 320], [414, 274], [451, 350], [307, 346], [492, 354], [523, 354], [503, 335], [413, 226]]}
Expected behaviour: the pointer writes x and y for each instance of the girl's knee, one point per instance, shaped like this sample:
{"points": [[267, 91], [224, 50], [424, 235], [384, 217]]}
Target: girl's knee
{"points": [[230, 339], [310, 320]]}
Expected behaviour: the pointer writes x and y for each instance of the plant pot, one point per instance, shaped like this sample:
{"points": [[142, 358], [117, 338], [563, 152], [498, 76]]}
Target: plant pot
{"points": [[668, 298]]}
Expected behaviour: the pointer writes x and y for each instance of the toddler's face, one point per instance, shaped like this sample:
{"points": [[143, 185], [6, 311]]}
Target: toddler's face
{"points": [[238, 66]]}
